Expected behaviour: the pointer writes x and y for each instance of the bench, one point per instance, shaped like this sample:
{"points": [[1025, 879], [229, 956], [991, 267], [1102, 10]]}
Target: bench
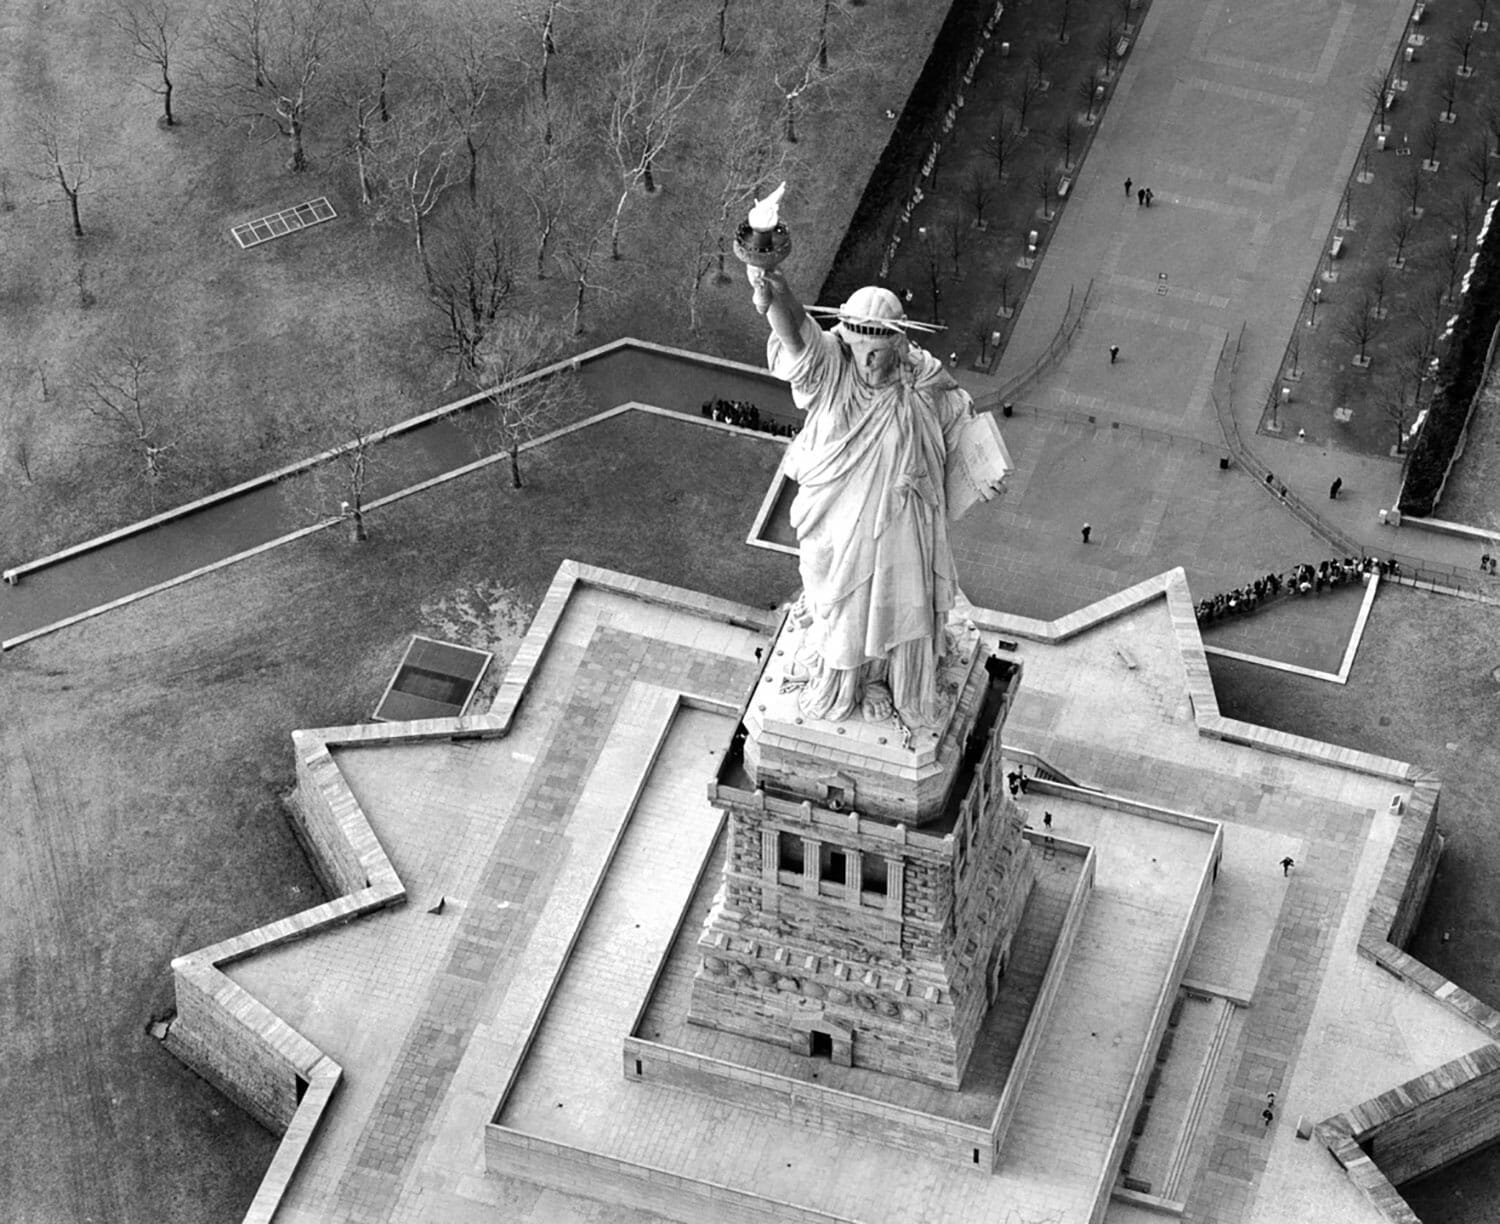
{"points": [[1337, 247]]}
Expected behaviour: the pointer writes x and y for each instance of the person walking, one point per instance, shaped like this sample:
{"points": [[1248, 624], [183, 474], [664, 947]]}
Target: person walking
{"points": [[1086, 530], [1127, 189], [1140, 198], [1114, 353], [1333, 489], [1287, 864], [1150, 195]]}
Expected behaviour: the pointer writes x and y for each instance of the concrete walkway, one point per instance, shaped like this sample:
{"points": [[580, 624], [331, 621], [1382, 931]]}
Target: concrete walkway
{"points": [[1245, 121]]}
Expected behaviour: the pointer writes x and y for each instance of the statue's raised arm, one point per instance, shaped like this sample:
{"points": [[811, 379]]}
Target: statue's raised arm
{"points": [[870, 513]]}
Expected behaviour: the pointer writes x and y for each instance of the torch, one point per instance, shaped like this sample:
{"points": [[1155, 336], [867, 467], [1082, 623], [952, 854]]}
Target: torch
{"points": [[762, 241]]}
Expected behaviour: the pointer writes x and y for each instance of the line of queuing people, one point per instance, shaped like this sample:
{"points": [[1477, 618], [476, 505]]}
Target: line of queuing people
{"points": [[1304, 579], [745, 415]]}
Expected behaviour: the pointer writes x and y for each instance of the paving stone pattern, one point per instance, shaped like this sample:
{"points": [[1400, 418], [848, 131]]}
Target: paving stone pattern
{"points": [[1269, 1040], [532, 850]]}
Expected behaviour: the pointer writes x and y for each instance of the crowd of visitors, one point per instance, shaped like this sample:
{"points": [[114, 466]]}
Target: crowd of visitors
{"points": [[745, 415], [1304, 579]]}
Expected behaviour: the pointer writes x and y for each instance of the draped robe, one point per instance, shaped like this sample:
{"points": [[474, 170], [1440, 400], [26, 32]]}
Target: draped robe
{"points": [[871, 520]]}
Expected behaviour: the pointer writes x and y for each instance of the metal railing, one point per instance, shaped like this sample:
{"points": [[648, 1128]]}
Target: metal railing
{"points": [[1062, 338]]}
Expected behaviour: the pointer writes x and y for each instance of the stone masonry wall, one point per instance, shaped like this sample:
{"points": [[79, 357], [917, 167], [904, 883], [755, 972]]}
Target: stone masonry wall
{"points": [[1437, 1131], [1423, 807], [908, 1037], [316, 822], [242, 1059]]}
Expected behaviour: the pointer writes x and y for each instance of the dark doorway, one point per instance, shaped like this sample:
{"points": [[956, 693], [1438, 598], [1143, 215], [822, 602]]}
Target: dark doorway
{"points": [[822, 1045]]}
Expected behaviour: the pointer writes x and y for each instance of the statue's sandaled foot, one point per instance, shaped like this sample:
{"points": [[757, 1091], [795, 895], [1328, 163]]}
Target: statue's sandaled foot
{"points": [[877, 705]]}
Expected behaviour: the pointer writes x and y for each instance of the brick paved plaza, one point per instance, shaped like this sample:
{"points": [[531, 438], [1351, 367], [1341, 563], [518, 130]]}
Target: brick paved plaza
{"points": [[480, 1040]]}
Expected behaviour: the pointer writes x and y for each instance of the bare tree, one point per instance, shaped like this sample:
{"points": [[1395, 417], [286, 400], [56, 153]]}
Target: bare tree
{"points": [[1449, 91], [1026, 94], [931, 261], [1358, 326], [1466, 212], [544, 169], [1044, 192], [1432, 137], [361, 104], [385, 37], [539, 19], [1002, 140], [721, 22], [152, 29], [1002, 283], [1107, 49], [1453, 255], [1401, 230], [1492, 128], [267, 61], [1042, 56], [1378, 91], [649, 90], [1064, 16], [1395, 405], [792, 87], [1477, 167], [1066, 137], [956, 239], [829, 8], [63, 152], [18, 443], [466, 77], [412, 160], [120, 390], [341, 484], [581, 240], [1379, 287], [473, 262], [520, 405], [1481, 22], [980, 192], [1413, 192]]}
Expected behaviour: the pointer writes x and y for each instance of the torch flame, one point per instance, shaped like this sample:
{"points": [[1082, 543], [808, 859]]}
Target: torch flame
{"points": [[766, 213]]}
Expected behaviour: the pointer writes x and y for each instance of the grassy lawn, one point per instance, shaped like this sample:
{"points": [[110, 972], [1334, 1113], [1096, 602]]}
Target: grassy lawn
{"points": [[252, 347], [1307, 631]]}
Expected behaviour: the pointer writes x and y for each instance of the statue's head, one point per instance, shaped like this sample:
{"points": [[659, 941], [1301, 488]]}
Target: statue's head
{"points": [[872, 326]]}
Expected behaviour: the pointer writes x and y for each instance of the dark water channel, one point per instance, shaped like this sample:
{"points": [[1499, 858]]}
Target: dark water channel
{"points": [[221, 529]]}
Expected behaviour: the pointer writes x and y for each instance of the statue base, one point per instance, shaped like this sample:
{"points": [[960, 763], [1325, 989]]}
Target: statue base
{"points": [[881, 769]]}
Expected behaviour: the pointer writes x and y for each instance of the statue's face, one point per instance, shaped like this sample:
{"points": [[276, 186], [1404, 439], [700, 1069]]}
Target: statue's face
{"points": [[875, 360]]}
